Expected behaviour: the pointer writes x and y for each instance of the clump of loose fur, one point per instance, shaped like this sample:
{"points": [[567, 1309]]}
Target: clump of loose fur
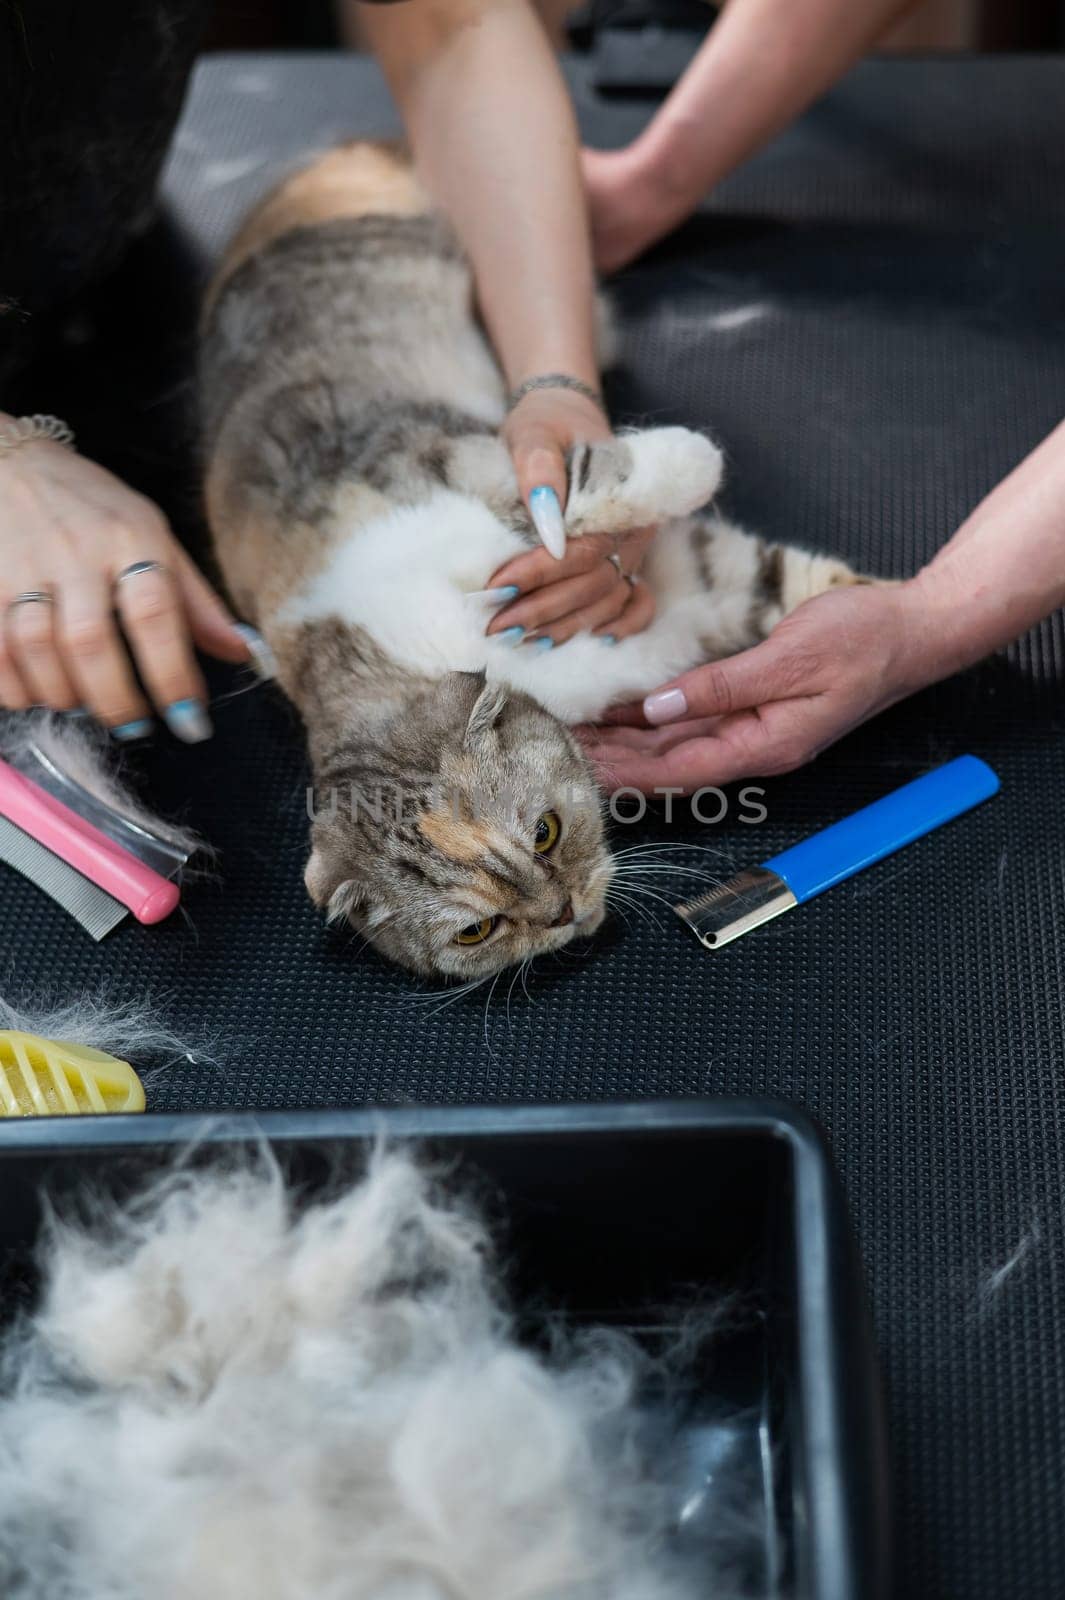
{"points": [[82, 751], [225, 1398], [132, 1030]]}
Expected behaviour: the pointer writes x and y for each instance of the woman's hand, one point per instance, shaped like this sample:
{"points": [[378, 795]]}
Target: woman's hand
{"points": [[68, 530], [844, 656], [831, 664], [545, 602], [553, 597], [538, 432], [630, 206], [761, 64]]}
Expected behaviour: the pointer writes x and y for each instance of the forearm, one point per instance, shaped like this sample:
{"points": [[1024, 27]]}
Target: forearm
{"points": [[763, 63], [1001, 573], [496, 145]]}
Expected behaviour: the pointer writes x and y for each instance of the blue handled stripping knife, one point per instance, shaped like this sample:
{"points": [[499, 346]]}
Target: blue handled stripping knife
{"points": [[796, 875]]}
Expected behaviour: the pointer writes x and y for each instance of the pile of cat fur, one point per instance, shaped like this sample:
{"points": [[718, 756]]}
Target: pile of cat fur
{"points": [[228, 1394]]}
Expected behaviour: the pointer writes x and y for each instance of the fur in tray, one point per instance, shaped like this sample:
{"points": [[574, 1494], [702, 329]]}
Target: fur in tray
{"points": [[227, 1395]]}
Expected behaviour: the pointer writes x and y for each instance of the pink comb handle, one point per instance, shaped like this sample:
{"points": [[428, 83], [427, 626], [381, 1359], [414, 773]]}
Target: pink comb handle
{"points": [[149, 896]]}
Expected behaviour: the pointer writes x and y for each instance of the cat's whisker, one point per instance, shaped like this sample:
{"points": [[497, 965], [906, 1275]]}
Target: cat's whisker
{"points": [[627, 871], [235, 694], [510, 990], [643, 889], [646, 917], [487, 1007], [464, 989], [615, 907], [662, 863], [676, 890], [617, 899], [665, 847]]}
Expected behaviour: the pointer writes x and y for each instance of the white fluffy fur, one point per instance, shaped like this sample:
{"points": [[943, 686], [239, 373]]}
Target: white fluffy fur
{"points": [[223, 1399], [131, 1030], [406, 577]]}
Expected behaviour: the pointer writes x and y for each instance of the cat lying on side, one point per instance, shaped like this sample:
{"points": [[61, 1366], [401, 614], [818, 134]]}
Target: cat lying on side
{"points": [[359, 494]]}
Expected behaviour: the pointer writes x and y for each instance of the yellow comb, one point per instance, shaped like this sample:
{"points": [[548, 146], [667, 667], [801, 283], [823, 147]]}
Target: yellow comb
{"points": [[51, 1078]]}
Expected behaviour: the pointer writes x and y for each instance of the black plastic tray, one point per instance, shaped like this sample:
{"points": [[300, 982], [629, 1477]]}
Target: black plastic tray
{"points": [[618, 1213]]}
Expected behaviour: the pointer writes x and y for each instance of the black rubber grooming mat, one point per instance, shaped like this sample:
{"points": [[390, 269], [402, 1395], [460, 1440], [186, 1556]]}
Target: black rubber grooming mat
{"points": [[871, 318]]}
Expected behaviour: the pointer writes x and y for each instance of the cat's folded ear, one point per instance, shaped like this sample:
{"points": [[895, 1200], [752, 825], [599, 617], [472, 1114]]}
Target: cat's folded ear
{"points": [[485, 713], [475, 704], [337, 896]]}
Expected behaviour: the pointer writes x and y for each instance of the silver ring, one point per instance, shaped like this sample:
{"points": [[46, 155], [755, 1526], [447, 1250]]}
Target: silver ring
{"points": [[137, 568], [630, 578], [37, 595]]}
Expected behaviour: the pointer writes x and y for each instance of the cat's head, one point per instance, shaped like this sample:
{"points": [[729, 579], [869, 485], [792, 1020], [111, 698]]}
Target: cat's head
{"points": [[464, 836]]}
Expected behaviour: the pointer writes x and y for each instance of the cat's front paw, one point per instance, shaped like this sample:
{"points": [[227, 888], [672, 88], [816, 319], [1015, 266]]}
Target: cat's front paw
{"points": [[638, 479], [675, 470]]}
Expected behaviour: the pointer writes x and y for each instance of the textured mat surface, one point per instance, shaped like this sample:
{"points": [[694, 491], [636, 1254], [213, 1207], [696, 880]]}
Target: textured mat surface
{"points": [[871, 318]]}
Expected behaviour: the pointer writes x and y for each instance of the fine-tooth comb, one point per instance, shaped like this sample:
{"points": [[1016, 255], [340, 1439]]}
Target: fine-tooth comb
{"points": [[758, 894], [97, 864]]}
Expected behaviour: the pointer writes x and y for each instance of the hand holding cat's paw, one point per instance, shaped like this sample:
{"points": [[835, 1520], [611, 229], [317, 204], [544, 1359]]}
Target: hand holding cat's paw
{"points": [[585, 591], [541, 429]]}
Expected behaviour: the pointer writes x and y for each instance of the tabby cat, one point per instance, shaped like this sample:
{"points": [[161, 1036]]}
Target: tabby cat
{"points": [[359, 495]]}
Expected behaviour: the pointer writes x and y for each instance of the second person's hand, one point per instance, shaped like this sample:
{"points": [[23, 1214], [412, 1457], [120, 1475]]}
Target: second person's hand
{"points": [[72, 614], [831, 664]]}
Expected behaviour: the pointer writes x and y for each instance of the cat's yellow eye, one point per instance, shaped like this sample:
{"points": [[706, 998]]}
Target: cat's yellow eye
{"points": [[477, 932], [548, 828]]}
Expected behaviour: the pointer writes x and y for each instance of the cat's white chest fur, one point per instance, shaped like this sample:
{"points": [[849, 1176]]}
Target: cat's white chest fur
{"points": [[407, 578]]}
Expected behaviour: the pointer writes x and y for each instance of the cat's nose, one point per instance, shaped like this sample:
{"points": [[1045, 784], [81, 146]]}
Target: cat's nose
{"points": [[565, 916]]}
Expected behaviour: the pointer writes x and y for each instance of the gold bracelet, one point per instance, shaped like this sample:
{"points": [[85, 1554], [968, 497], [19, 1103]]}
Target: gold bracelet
{"points": [[24, 430]]}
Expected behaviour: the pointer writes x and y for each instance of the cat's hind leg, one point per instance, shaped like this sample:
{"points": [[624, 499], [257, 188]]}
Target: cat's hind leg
{"points": [[730, 587]]}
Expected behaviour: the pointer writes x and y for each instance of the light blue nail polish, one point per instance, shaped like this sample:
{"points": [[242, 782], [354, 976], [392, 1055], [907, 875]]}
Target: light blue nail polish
{"points": [[263, 660], [607, 638], [188, 721], [545, 642], [546, 514], [496, 597], [76, 714], [127, 731], [512, 636]]}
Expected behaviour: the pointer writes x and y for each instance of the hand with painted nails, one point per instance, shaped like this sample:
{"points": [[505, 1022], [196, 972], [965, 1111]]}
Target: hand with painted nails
{"points": [[839, 659], [594, 588], [72, 613], [568, 586], [831, 664], [541, 428]]}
